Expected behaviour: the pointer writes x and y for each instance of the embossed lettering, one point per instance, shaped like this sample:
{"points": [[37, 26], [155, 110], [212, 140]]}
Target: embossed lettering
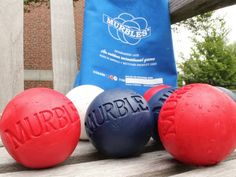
{"points": [[91, 123], [68, 114], [49, 122], [100, 119], [169, 126], [109, 107], [133, 109], [138, 99], [60, 113], [120, 104], [44, 122], [19, 137], [168, 112], [36, 128], [114, 110]]}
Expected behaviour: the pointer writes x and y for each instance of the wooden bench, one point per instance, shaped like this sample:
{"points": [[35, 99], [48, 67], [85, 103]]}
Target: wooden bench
{"points": [[86, 161]]}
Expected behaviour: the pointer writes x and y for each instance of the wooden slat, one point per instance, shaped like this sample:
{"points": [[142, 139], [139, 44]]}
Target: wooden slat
{"points": [[11, 50], [183, 9], [63, 44], [0, 137], [38, 75], [84, 152], [157, 163], [110, 167], [226, 169], [86, 161]]}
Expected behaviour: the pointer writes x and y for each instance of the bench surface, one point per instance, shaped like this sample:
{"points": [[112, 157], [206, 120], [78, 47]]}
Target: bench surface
{"points": [[86, 161]]}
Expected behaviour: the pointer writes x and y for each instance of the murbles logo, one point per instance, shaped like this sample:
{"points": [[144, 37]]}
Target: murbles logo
{"points": [[127, 28]]}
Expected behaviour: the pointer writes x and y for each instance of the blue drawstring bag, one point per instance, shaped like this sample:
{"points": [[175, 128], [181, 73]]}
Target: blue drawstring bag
{"points": [[127, 44]]}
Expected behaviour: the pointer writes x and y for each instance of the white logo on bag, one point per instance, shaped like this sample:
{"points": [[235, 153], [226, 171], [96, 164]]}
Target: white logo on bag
{"points": [[127, 28]]}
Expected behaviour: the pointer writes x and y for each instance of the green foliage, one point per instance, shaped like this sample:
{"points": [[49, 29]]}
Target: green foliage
{"points": [[36, 3], [211, 60], [27, 2], [180, 81]]}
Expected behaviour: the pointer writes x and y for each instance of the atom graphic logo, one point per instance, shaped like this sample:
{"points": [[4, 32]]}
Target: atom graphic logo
{"points": [[127, 28]]}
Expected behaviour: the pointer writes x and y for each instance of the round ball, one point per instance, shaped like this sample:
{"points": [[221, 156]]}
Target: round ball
{"points": [[197, 125], [82, 96], [152, 91], [156, 97], [118, 123], [40, 128], [228, 92]]}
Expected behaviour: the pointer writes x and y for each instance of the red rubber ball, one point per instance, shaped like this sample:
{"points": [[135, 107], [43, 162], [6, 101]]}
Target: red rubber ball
{"points": [[40, 128], [197, 125], [152, 91]]}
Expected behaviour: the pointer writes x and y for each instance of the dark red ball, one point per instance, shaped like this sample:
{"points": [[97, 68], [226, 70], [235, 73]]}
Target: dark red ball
{"points": [[197, 125], [40, 128]]}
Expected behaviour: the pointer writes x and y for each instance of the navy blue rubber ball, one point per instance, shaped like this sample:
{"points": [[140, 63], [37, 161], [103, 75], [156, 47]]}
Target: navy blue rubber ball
{"points": [[155, 104], [118, 123]]}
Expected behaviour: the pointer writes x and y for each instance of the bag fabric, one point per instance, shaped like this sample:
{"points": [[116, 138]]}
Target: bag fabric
{"points": [[127, 44]]}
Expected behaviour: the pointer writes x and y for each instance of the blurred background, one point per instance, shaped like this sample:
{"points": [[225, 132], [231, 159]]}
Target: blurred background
{"points": [[204, 46]]}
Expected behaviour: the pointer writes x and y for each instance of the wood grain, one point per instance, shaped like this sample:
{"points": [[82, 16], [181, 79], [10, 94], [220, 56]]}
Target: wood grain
{"points": [[108, 167], [11, 50], [86, 161], [38, 75], [83, 153], [226, 169], [184, 9], [63, 45]]}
